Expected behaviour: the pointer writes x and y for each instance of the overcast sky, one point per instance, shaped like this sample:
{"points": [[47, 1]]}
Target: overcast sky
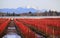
{"points": [[37, 4]]}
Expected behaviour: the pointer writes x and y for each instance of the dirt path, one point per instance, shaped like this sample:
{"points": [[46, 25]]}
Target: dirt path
{"points": [[11, 31]]}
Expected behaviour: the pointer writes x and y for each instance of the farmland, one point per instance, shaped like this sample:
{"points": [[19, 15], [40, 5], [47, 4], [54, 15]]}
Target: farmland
{"points": [[32, 27]]}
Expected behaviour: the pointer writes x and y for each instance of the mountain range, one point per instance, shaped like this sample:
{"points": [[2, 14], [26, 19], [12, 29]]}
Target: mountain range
{"points": [[18, 10], [21, 10]]}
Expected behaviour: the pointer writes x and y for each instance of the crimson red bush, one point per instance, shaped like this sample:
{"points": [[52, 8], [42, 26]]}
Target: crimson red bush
{"points": [[3, 25], [49, 26], [26, 32]]}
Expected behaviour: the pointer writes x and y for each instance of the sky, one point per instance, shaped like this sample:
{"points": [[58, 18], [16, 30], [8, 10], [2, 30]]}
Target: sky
{"points": [[36, 4]]}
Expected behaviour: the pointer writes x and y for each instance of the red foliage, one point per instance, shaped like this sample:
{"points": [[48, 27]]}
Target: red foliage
{"points": [[26, 32], [47, 25], [3, 25]]}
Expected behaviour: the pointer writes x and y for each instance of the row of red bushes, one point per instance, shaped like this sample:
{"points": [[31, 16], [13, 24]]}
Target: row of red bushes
{"points": [[26, 32], [3, 24], [49, 26]]}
